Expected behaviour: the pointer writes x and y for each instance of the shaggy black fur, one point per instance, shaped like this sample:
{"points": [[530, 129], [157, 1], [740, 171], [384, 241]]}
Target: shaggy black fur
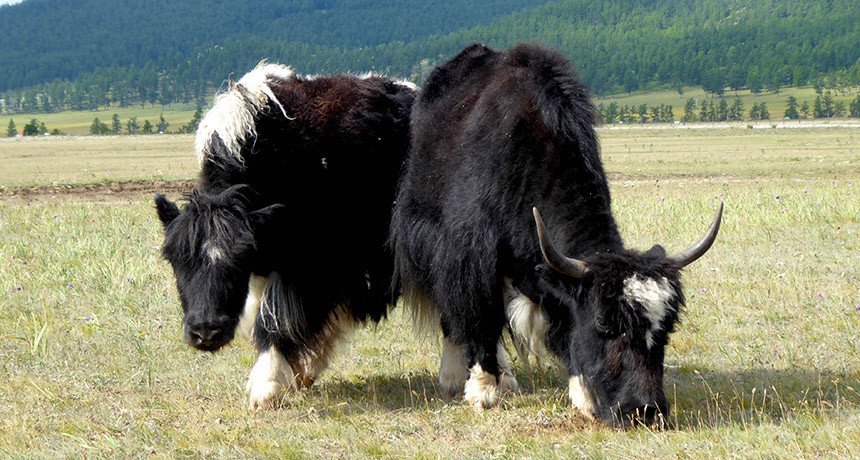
{"points": [[312, 213], [495, 133]]}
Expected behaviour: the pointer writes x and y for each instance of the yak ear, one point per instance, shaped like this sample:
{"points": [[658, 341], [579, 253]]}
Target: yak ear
{"points": [[167, 210], [657, 250]]}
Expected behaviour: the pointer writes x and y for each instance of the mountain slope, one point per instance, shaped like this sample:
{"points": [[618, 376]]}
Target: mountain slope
{"points": [[106, 52]]}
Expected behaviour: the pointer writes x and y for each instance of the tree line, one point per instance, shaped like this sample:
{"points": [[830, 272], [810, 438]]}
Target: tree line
{"points": [[116, 127], [718, 45], [710, 110]]}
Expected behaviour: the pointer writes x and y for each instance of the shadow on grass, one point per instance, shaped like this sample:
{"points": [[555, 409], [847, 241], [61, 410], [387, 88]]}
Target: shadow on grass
{"points": [[701, 398]]}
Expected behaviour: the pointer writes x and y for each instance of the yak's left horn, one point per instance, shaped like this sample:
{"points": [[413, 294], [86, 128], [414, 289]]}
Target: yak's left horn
{"points": [[560, 263], [689, 255]]}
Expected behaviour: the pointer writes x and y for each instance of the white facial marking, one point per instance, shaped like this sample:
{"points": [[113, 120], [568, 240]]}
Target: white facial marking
{"points": [[526, 318], [232, 116], [579, 395], [269, 379], [212, 251], [654, 296], [256, 286], [453, 368]]}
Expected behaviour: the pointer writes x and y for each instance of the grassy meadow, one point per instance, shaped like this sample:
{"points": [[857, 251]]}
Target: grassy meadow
{"points": [[766, 361]]}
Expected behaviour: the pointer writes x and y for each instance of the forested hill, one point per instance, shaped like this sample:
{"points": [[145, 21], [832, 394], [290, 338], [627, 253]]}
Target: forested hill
{"points": [[96, 52]]}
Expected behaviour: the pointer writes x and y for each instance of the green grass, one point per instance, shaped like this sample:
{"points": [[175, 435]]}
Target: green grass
{"points": [[79, 122], [61, 160], [766, 362], [775, 101]]}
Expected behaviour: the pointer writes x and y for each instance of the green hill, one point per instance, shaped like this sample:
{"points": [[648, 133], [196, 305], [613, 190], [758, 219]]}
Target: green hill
{"points": [[87, 54]]}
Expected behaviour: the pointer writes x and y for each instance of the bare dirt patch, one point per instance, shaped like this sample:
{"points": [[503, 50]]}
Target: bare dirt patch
{"points": [[96, 193]]}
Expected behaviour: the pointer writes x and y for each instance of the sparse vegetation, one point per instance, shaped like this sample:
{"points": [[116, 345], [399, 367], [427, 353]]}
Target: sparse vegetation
{"points": [[765, 362]]}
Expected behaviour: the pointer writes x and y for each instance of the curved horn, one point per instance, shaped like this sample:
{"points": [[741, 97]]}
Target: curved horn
{"points": [[689, 255], [559, 262]]}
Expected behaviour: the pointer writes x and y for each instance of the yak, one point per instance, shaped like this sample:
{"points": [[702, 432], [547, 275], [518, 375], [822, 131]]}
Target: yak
{"points": [[503, 219], [284, 236]]}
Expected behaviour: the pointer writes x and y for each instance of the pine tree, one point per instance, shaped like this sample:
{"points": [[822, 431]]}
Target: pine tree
{"points": [[723, 111], [96, 127], [643, 113], [192, 125], [763, 114], [854, 107], [116, 125], [804, 109], [690, 110], [828, 104], [131, 126], [11, 129], [147, 127], [817, 108], [839, 109], [703, 111], [611, 113], [754, 112], [35, 128], [791, 108], [736, 111], [162, 124]]}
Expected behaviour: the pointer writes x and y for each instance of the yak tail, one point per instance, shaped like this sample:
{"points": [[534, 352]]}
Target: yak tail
{"points": [[232, 120]]}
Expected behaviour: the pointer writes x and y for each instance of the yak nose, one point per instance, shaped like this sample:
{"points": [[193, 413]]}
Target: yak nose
{"points": [[207, 335], [653, 414]]}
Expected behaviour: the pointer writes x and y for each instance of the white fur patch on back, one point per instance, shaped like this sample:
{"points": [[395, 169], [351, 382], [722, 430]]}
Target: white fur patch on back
{"points": [[269, 379], [655, 296], [407, 84], [579, 395], [256, 285], [232, 116], [526, 318]]}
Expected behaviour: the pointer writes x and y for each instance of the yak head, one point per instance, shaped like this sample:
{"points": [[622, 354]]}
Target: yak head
{"points": [[623, 305], [211, 243]]}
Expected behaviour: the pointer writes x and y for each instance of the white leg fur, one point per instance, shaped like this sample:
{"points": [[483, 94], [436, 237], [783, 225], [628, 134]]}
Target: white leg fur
{"points": [[256, 285], [453, 368], [481, 389], [580, 397], [270, 378]]}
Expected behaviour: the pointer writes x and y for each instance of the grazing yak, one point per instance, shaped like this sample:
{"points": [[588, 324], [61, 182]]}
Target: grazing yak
{"points": [[285, 234], [497, 136]]}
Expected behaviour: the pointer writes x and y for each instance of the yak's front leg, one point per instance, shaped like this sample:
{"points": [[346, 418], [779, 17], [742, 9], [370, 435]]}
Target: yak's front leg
{"points": [[270, 378], [490, 377]]}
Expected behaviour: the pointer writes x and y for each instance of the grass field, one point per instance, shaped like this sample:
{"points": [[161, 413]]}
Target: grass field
{"points": [[766, 362]]}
